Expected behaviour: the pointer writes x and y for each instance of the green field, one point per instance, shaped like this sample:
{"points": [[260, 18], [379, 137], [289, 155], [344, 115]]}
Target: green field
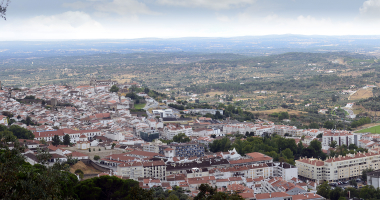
{"points": [[375, 129], [139, 106]]}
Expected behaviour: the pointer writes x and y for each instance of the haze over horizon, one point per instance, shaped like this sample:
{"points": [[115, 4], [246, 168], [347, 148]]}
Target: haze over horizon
{"points": [[132, 19]]}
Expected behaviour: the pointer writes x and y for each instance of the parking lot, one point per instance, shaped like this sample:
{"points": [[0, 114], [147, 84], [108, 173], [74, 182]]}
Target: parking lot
{"points": [[346, 184]]}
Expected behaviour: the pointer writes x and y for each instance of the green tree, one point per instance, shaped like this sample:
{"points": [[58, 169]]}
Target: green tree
{"points": [[335, 193], [28, 120], [111, 187], [56, 141], [207, 192], [352, 147], [181, 137], [333, 144], [21, 133], [66, 139], [21, 180], [324, 189], [364, 173], [114, 88], [328, 125], [96, 157]]}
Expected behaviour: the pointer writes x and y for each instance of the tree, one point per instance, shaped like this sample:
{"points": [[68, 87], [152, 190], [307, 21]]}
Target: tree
{"points": [[333, 144], [3, 8], [335, 193], [352, 147], [364, 173], [181, 137], [21, 180], [66, 139], [320, 135], [314, 125], [21, 133], [208, 192], [353, 182], [114, 88], [56, 141], [28, 120], [113, 145], [324, 189], [80, 173], [96, 157], [111, 187], [328, 125]]}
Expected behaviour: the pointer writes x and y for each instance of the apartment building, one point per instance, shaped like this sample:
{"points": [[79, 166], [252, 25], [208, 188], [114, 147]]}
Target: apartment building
{"points": [[184, 149], [340, 137], [143, 169], [284, 170], [334, 169], [172, 130]]}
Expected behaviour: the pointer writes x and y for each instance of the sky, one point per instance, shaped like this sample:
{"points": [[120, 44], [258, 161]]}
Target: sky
{"points": [[130, 19]]}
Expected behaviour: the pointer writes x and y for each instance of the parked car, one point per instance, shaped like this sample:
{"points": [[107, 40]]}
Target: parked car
{"points": [[358, 180], [346, 182]]}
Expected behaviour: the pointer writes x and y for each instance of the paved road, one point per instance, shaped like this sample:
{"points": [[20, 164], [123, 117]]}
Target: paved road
{"points": [[350, 113]]}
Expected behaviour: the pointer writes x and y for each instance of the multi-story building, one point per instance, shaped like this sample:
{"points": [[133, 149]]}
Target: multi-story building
{"points": [[337, 169], [172, 130], [145, 169], [188, 150], [284, 170], [340, 137]]}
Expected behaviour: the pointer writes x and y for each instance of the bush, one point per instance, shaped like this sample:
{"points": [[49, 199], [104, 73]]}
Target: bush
{"points": [[96, 157]]}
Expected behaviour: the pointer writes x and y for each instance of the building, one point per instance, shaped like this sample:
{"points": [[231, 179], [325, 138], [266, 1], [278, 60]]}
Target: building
{"points": [[340, 137], [284, 170], [188, 150], [373, 178], [83, 143], [143, 169], [334, 169], [172, 130]]}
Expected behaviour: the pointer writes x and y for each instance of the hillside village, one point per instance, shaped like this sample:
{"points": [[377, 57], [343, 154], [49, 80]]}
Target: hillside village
{"points": [[104, 123]]}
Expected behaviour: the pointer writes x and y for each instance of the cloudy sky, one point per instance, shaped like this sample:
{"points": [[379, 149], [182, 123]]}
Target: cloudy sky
{"points": [[126, 19]]}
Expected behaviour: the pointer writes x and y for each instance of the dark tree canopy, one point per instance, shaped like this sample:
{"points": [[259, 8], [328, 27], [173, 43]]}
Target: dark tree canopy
{"points": [[3, 8]]}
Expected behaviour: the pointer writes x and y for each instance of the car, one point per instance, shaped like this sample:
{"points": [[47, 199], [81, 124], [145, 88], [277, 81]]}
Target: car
{"points": [[346, 182], [358, 180]]}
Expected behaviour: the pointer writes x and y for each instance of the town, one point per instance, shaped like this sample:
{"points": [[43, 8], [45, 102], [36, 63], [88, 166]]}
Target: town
{"points": [[101, 128]]}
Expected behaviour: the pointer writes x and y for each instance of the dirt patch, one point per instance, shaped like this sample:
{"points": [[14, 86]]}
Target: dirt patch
{"points": [[85, 168], [361, 94]]}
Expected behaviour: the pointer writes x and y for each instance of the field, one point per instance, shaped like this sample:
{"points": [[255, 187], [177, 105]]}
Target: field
{"points": [[373, 129], [361, 94], [139, 106]]}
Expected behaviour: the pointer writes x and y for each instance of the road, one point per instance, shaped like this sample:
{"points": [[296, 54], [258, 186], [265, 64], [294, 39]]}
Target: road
{"points": [[350, 113]]}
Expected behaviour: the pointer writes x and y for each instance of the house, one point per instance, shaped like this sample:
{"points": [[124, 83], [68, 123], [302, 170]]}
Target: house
{"points": [[78, 155]]}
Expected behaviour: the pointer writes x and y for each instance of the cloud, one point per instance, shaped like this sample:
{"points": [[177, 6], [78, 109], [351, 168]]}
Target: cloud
{"points": [[370, 10], [211, 4], [121, 7], [67, 25]]}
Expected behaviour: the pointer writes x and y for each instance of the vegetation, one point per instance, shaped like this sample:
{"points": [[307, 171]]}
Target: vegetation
{"points": [[114, 88], [181, 138], [279, 148], [18, 131], [149, 137], [367, 192], [374, 129]]}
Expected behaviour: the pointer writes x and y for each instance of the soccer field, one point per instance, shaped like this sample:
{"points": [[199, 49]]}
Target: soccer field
{"points": [[375, 129]]}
